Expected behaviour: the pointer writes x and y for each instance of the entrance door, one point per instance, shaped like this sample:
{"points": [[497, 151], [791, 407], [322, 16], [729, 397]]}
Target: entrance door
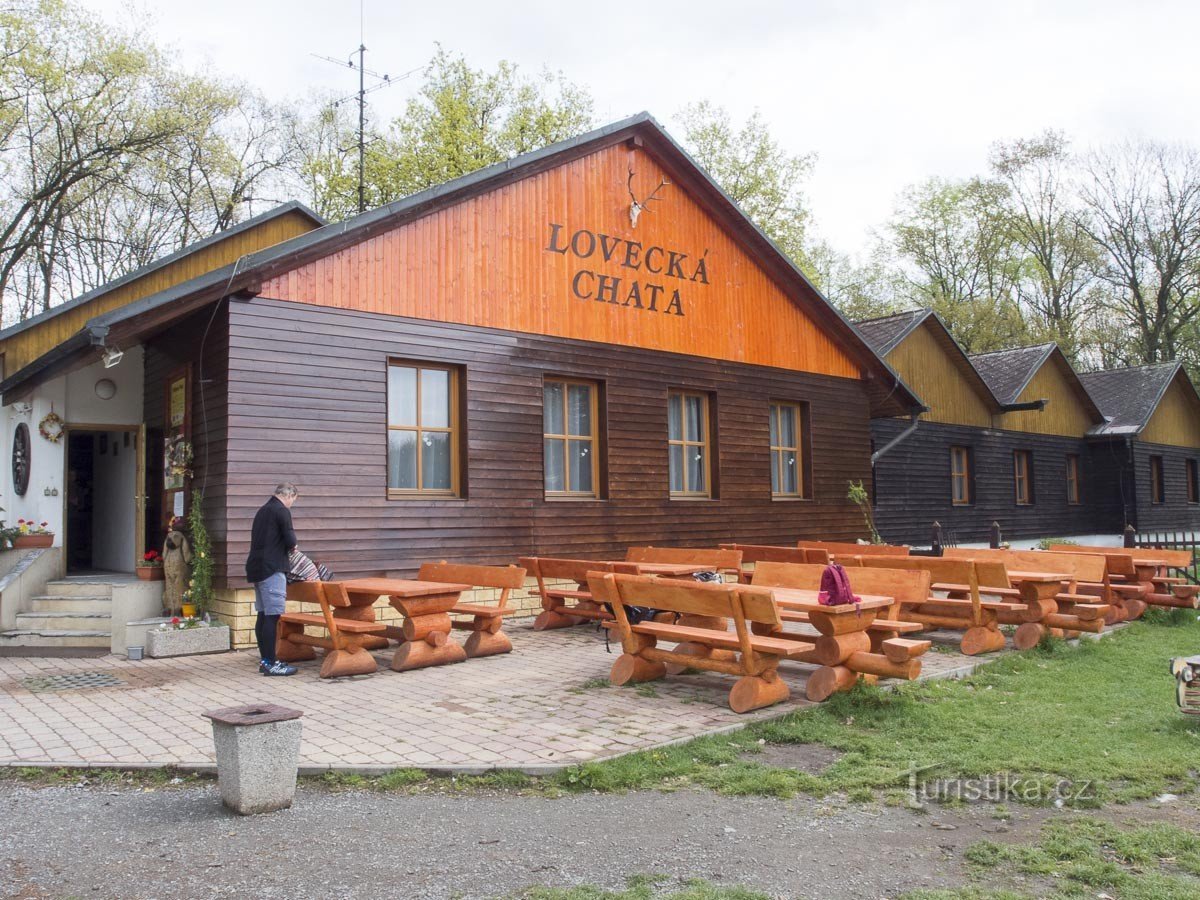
{"points": [[104, 478]]}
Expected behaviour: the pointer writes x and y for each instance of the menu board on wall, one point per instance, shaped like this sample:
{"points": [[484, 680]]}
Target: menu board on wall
{"points": [[177, 444]]}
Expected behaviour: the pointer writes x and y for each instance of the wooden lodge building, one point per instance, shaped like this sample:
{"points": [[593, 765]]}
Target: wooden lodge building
{"points": [[1018, 438], [584, 348]]}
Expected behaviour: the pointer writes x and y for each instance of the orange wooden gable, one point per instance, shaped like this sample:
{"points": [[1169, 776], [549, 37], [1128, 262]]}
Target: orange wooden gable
{"points": [[556, 254]]}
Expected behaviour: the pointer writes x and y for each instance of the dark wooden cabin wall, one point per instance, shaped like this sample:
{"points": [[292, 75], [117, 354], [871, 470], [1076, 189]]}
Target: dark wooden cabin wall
{"points": [[307, 403], [912, 483], [1113, 471], [1175, 511], [164, 354]]}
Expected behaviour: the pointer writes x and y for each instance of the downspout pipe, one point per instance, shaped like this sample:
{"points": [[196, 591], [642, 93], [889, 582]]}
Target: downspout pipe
{"points": [[914, 420]]}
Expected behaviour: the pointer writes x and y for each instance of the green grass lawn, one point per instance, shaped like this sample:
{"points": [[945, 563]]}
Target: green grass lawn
{"points": [[1086, 858], [1101, 712]]}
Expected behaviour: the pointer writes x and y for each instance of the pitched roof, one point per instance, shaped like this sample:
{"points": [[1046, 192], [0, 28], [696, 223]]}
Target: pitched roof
{"points": [[888, 393], [1128, 397], [162, 262], [884, 333], [1008, 372]]}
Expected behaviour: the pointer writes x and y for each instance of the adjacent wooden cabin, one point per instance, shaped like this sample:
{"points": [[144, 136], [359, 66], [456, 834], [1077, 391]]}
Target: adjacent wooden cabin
{"points": [[1005, 439], [582, 349], [1149, 449]]}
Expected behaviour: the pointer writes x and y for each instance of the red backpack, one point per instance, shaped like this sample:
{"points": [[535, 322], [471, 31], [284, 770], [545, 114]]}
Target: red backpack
{"points": [[835, 587]]}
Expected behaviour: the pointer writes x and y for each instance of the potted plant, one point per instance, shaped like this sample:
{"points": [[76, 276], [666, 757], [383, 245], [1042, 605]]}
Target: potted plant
{"points": [[150, 568], [188, 606], [32, 534]]}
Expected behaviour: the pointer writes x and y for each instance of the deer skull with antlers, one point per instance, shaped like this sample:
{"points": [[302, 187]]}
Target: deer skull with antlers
{"points": [[637, 206]]}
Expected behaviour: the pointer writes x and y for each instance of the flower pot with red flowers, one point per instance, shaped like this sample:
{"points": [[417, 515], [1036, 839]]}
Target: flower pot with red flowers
{"points": [[31, 535], [150, 567]]}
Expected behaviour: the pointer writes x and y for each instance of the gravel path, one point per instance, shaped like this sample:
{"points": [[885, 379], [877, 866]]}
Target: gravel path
{"points": [[180, 842]]}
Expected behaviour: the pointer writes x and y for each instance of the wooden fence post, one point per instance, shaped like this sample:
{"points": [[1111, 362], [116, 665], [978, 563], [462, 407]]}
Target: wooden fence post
{"points": [[935, 544], [1130, 536], [995, 538]]}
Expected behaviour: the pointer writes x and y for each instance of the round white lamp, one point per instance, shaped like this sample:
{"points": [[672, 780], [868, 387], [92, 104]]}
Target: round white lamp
{"points": [[106, 389]]}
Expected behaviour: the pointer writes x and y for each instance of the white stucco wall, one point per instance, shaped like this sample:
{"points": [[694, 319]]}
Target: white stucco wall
{"points": [[74, 398]]}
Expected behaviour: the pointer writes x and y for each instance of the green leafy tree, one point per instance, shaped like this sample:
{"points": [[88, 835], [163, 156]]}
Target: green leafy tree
{"points": [[1056, 278], [758, 174], [956, 254]]}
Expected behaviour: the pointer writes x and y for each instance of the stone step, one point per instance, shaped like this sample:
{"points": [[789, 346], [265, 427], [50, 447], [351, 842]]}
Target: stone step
{"points": [[59, 621], [54, 638], [53, 603], [77, 587]]}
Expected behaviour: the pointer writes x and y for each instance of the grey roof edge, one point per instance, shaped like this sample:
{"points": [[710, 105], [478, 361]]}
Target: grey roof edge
{"points": [[916, 317], [1047, 348], [1175, 367], [246, 265], [129, 277]]}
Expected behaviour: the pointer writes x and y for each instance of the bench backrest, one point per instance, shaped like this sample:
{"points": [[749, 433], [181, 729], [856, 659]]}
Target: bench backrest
{"points": [[1086, 567], [719, 560], [965, 572], [725, 601], [756, 553], [902, 585], [503, 577], [1176, 559], [325, 593], [544, 567], [842, 548]]}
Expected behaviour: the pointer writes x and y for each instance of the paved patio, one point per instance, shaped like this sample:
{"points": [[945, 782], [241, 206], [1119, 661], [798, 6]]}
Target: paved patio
{"points": [[545, 705]]}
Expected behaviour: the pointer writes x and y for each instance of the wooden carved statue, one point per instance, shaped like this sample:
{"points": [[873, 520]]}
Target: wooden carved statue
{"points": [[177, 556]]}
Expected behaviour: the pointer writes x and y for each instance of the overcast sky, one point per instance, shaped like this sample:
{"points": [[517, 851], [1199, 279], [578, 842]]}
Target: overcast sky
{"points": [[886, 93]]}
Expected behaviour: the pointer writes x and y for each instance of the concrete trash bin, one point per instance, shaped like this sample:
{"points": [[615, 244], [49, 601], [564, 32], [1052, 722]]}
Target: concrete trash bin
{"points": [[258, 749]]}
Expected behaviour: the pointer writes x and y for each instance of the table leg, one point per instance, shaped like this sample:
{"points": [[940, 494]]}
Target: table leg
{"points": [[427, 642]]}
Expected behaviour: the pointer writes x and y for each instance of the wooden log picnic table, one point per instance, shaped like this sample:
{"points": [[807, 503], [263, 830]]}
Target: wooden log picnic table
{"points": [[424, 635], [842, 646]]}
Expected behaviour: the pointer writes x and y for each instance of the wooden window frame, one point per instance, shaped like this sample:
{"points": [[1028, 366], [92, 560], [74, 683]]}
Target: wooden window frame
{"points": [[1074, 491], [595, 438], [800, 410], [1027, 477], [1193, 480], [1158, 485], [454, 492], [707, 443], [966, 476]]}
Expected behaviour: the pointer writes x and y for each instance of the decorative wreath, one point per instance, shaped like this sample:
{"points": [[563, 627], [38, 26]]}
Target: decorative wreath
{"points": [[51, 427]]}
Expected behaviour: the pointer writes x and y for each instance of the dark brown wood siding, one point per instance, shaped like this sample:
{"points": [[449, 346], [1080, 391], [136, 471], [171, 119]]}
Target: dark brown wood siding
{"points": [[164, 354], [912, 485], [307, 403], [1175, 511]]}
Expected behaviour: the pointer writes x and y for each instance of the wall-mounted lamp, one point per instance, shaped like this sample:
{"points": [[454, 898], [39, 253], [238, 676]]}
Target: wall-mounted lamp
{"points": [[111, 356]]}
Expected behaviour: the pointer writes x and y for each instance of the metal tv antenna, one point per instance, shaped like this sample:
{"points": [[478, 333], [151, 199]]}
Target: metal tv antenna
{"points": [[381, 80]]}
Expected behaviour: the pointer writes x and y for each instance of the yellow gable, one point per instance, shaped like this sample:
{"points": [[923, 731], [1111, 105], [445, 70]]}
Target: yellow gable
{"points": [[1065, 412], [1176, 421], [928, 367]]}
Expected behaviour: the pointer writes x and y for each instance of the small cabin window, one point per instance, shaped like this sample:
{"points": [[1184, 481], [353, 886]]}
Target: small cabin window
{"points": [[789, 436], [1158, 493], [1023, 477], [1193, 481], [960, 476], [1073, 479], [570, 438], [423, 430], [689, 445]]}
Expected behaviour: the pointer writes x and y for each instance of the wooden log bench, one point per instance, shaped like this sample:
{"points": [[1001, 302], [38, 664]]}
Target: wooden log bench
{"points": [[564, 607], [1145, 570], [835, 550], [486, 622], [753, 554], [838, 650], [904, 587], [964, 609], [345, 647], [1083, 600]]}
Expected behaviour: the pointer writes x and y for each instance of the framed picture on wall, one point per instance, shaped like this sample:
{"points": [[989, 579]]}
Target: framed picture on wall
{"points": [[177, 443]]}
